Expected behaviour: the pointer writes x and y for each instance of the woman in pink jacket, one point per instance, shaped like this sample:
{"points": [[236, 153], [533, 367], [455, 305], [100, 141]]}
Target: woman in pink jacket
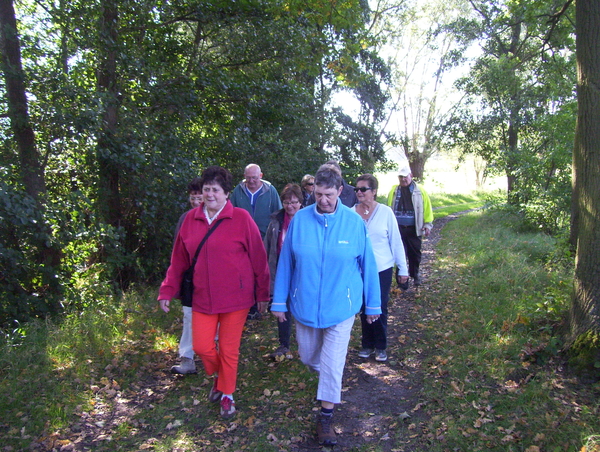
{"points": [[231, 273]]}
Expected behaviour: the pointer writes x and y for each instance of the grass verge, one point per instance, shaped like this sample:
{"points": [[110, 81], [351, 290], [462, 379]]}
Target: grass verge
{"points": [[496, 380], [444, 204]]}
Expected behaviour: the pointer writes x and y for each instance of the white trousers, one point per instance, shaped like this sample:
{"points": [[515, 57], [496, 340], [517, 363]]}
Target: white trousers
{"points": [[186, 350], [324, 350]]}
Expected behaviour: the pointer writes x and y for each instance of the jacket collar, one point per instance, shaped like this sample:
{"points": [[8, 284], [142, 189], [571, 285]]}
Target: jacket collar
{"points": [[326, 218], [227, 212], [278, 215], [266, 186]]}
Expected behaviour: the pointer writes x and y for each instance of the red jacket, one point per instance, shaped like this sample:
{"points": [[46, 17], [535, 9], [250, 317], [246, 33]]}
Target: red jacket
{"points": [[232, 270]]}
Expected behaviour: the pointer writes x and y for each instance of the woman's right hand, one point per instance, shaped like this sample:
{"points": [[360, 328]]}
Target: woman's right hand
{"points": [[164, 305], [402, 282], [280, 316]]}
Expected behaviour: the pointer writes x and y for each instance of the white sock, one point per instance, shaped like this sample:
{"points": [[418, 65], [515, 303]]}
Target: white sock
{"points": [[228, 395]]}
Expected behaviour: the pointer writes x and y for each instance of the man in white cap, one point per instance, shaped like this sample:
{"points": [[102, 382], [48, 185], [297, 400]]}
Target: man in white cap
{"points": [[412, 208]]}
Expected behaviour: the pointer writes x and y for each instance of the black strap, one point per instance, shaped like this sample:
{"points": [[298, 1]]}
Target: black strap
{"points": [[210, 231]]}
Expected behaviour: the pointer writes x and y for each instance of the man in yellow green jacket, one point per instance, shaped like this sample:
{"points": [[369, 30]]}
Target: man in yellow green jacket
{"points": [[414, 215]]}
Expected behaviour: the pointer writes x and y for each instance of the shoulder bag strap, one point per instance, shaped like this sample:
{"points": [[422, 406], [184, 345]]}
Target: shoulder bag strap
{"points": [[210, 231]]}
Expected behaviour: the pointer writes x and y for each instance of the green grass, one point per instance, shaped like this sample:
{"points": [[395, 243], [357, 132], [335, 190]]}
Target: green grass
{"points": [[493, 366], [444, 204], [63, 376]]}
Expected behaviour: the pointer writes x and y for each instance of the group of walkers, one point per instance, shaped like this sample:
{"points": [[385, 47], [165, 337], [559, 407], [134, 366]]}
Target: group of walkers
{"points": [[321, 253]]}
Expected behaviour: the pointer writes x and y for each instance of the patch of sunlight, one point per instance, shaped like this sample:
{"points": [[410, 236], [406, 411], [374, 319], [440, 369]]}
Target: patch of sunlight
{"points": [[504, 339], [165, 342], [182, 438], [61, 357]]}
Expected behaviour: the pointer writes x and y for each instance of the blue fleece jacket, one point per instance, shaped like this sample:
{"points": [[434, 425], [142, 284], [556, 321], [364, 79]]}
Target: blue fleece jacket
{"points": [[326, 266]]}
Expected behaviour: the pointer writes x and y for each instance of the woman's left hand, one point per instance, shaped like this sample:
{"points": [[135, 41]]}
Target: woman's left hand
{"points": [[263, 306], [372, 318]]}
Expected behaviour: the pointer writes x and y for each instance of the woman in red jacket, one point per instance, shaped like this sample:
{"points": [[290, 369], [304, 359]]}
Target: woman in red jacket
{"points": [[231, 273]]}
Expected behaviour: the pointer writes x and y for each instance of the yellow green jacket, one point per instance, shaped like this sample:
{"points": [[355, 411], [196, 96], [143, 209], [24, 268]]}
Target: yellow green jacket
{"points": [[422, 205]]}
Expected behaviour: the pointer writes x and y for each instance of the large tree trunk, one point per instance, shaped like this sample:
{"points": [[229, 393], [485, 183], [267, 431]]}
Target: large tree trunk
{"points": [[32, 174], [585, 312], [417, 165]]}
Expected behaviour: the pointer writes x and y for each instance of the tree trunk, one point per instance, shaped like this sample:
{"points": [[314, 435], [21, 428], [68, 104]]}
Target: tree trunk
{"points": [[585, 311], [417, 166], [32, 174], [107, 149], [511, 165]]}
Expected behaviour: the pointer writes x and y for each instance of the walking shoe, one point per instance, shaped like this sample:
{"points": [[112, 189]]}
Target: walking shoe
{"points": [[186, 366], [254, 315], [380, 355], [227, 407], [325, 432], [417, 281], [366, 352], [281, 353], [214, 394]]}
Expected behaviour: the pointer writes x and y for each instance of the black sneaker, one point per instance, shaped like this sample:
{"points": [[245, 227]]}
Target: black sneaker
{"points": [[254, 315], [366, 352], [281, 353], [380, 355], [417, 281], [325, 432]]}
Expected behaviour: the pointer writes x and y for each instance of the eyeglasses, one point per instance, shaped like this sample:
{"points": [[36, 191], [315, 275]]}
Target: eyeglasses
{"points": [[310, 183], [195, 198], [362, 189], [290, 203]]}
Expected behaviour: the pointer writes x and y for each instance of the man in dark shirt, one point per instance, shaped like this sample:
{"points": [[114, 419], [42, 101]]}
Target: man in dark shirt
{"points": [[412, 208]]}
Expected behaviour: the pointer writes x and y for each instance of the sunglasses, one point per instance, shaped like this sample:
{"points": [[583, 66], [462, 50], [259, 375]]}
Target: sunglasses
{"points": [[362, 189], [310, 183]]}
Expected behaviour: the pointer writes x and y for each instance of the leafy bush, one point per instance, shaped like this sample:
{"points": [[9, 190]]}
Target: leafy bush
{"points": [[23, 278]]}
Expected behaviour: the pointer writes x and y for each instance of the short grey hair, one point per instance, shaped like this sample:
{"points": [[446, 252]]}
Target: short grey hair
{"points": [[328, 177]]}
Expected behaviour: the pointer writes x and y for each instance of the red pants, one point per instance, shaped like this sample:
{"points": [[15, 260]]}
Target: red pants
{"points": [[223, 360]]}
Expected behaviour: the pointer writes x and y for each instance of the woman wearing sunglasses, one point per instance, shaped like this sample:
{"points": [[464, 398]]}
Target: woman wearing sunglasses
{"points": [[308, 187], [388, 249]]}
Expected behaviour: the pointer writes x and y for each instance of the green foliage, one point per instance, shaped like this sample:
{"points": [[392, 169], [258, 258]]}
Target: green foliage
{"points": [[521, 110], [195, 84], [24, 279]]}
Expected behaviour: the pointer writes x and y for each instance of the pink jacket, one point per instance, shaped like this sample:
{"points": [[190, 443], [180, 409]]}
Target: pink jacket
{"points": [[232, 270]]}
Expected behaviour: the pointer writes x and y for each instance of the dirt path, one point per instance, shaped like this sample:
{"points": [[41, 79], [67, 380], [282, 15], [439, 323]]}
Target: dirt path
{"points": [[381, 398]]}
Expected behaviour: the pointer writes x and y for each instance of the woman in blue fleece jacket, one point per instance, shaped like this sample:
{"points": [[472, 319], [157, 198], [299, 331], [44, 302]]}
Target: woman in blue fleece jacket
{"points": [[326, 266]]}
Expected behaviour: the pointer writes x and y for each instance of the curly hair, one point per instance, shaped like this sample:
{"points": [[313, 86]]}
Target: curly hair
{"points": [[218, 175]]}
